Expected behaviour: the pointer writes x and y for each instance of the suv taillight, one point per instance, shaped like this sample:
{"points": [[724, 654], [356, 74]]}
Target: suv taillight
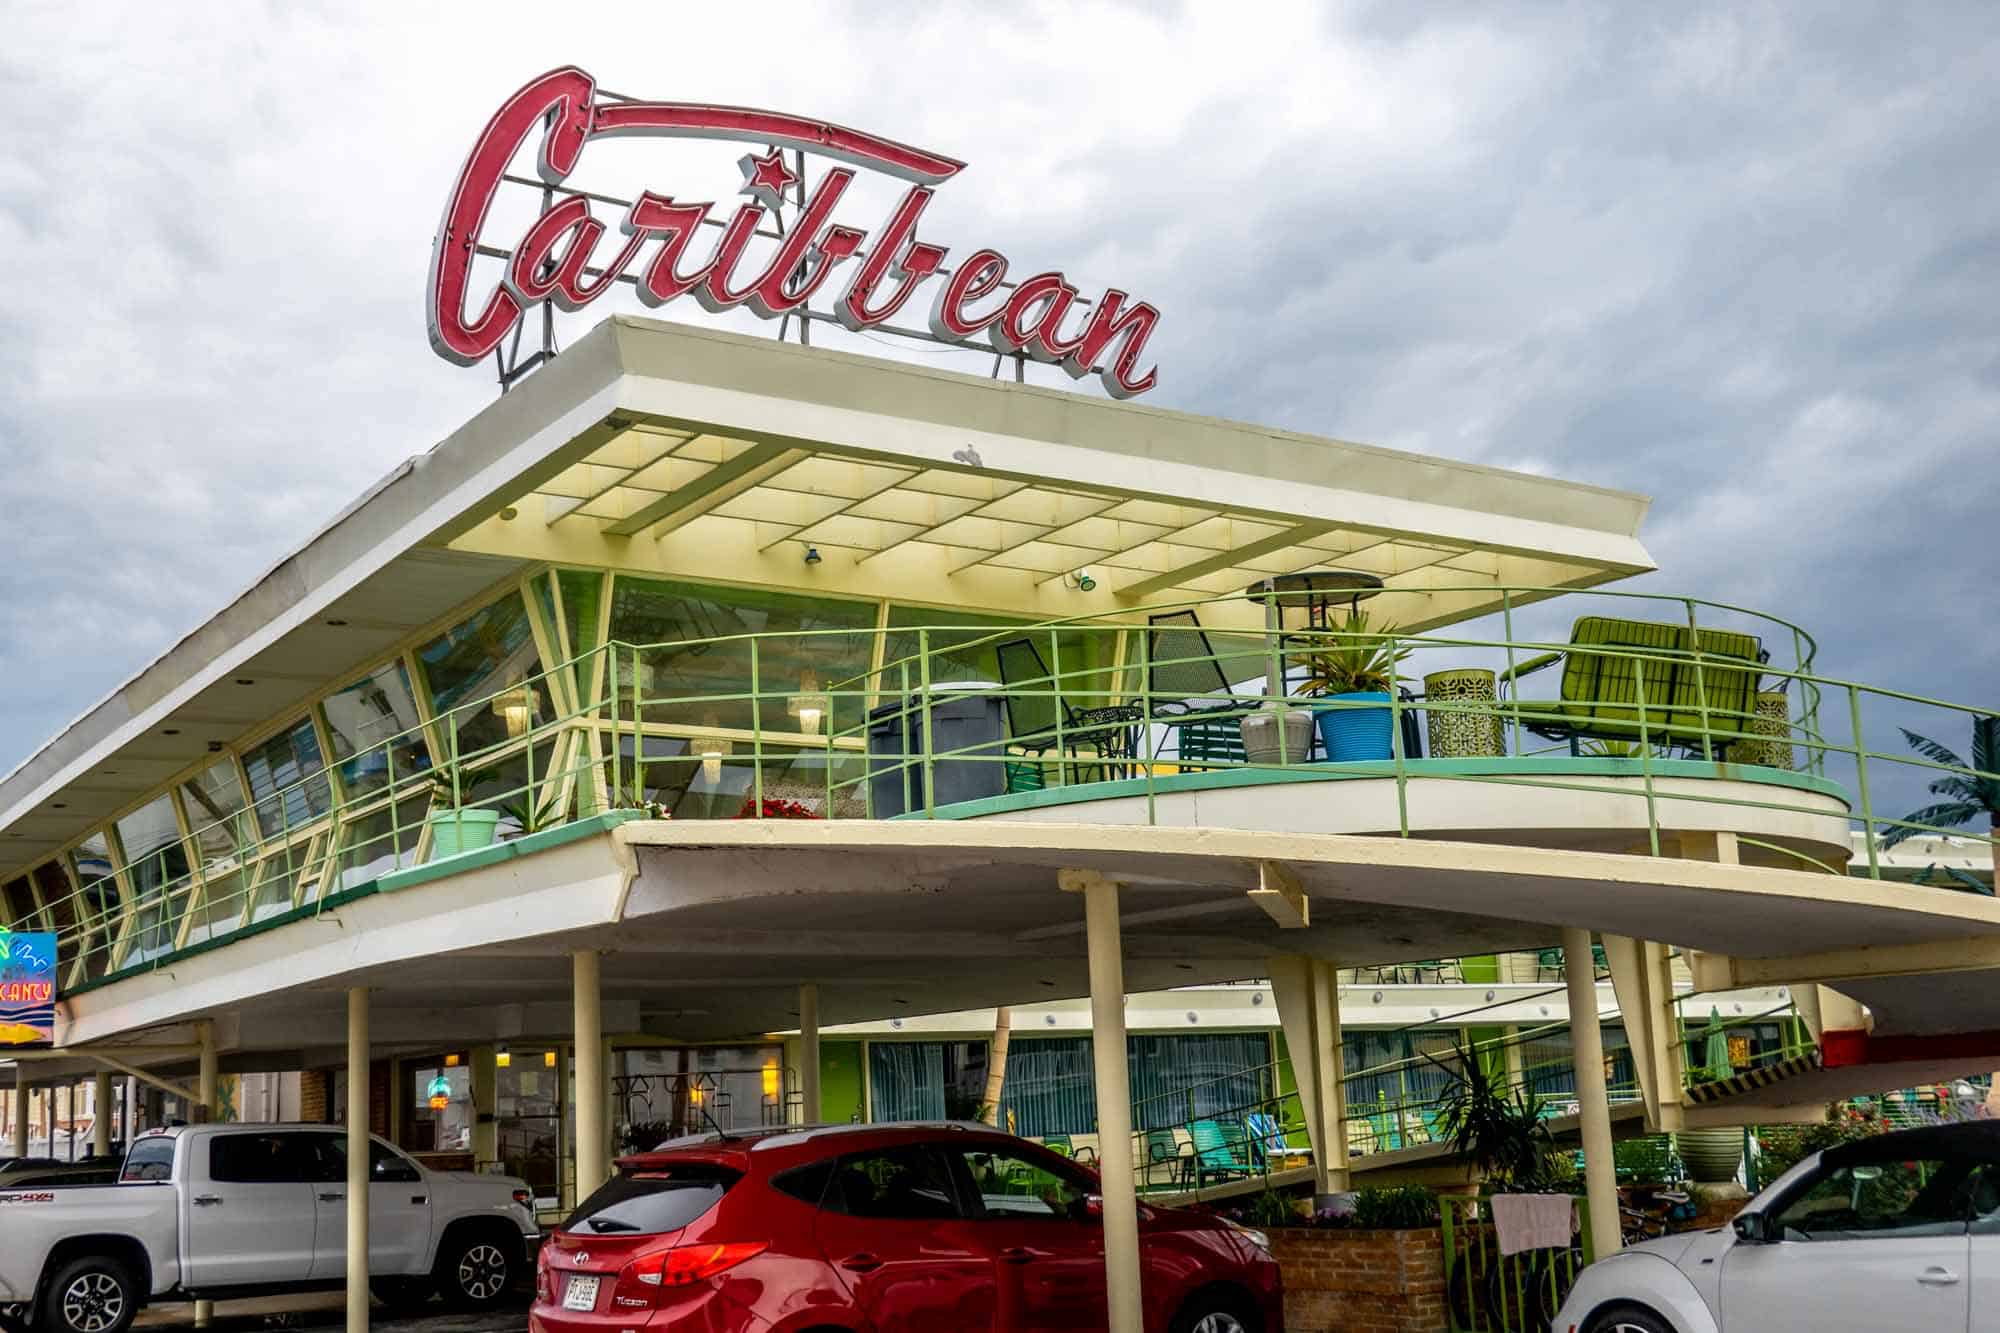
{"points": [[545, 1286], [683, 1266]]}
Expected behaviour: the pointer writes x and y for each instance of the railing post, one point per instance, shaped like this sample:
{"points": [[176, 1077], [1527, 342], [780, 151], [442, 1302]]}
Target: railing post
{"points": [[756, 728], [1146, 726], [638, 728], [1700, 686], [617, 759], [1646, 756], [1396, 745], [1056, 698], [1513, 682], [924, 703], [1861, 782]]}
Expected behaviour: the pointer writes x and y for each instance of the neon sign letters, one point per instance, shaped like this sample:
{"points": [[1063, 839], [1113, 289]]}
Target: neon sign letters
{"points": [[565, 257]]}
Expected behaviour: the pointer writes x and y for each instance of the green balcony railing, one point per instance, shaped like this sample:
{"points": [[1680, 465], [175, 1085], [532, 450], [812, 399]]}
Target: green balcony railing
{"points": [[1085, 708]]}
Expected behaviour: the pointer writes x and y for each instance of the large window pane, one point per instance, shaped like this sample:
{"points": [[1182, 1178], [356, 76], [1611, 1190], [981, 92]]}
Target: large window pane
{"points": [[224, 836], [156, 865], [372, 725], [686, 677], [382, 840], [288, 780], [698, 779], [472, 670], [98, 901], [664, 1092]]}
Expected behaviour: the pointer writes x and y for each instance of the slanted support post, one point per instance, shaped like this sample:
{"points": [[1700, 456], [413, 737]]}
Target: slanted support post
{"points": [[1307, 992], [809, 1110], [1117, 1179], [1600, 1171]]}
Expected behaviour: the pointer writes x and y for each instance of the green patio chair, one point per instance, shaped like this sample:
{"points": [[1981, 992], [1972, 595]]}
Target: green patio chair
{"points": [[1164, 1149], [1221, 1151], [1599, 695]]}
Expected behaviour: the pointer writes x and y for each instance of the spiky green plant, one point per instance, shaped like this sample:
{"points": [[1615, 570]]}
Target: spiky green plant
{"points": [[1969, 794]]}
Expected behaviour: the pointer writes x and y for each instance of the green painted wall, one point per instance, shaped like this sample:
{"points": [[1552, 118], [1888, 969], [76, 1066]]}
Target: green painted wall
{"points": [[839, 1081], [1483, 967]]}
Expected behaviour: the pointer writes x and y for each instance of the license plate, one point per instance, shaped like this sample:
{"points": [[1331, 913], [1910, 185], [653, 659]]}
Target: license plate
{"points": [[580, 1294]]}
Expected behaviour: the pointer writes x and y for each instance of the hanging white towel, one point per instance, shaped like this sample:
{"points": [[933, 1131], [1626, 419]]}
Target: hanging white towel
{"points": [[1533, 1221]]}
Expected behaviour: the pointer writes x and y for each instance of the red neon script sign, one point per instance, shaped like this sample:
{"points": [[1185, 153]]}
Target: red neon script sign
{"points": [[560, 259]]}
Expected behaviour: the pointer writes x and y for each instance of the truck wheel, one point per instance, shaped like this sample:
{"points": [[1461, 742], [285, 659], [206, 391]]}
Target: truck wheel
{"points": [[475, 1270], [92, 1295]]}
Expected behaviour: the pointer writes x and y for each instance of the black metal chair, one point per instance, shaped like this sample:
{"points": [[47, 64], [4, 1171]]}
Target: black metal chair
{"points": [[1035, 705]]}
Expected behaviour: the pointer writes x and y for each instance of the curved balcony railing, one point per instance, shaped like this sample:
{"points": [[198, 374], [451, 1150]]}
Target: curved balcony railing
{"points": [[1069, 710]]}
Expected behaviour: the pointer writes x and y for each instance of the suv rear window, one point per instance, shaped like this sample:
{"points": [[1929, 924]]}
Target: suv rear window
{"points": [[651, 1200], [150, 1159]]}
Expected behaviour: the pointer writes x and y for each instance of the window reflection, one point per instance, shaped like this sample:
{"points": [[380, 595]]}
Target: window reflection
{"points": [[224, 837], [688, 680], [288, 780], [722, 786], [98, 900], [156, 864], [474, 663], [373, 728]]}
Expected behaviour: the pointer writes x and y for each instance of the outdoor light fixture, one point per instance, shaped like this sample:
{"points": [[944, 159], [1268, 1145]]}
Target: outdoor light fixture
{"points": [[503, 1058], [771, 1082], [812, 555], [712, 752], [517, 709], [1081, 581], [548, 1059]]}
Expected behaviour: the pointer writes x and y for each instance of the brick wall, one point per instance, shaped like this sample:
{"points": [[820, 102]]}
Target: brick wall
{"points": [[1362, 1281], [315, 1091]]}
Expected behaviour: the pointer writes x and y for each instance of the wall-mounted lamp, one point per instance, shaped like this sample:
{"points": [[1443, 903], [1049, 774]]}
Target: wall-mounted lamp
{"points": [[517, 709], [1080, 580], [809, 706], [812, 554], [503, 1058], [711, 759]]}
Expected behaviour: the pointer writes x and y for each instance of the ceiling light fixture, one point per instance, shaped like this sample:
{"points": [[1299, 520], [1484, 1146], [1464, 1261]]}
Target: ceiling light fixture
{"points": [[812, 554]]}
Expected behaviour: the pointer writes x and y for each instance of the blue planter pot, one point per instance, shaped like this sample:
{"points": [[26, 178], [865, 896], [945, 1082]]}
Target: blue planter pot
{"points": [[1357, 733]]}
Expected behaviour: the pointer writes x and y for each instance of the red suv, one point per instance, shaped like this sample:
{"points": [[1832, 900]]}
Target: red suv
{"points": [[890, 1228]]}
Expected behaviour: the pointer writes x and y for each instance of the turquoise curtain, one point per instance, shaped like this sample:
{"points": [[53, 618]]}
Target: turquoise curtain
{"points": [[1050, 1088]]}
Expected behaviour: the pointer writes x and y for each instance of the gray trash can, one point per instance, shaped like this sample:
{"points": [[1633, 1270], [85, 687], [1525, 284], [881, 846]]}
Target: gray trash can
{"points": [[966, 716]]}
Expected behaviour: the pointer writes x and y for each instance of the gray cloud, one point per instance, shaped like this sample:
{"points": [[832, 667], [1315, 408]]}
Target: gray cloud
{"points": [[1739, 257]]}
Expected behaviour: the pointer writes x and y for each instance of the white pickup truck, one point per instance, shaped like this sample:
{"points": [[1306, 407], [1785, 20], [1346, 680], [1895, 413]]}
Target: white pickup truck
{"points": [[217, 1211]]}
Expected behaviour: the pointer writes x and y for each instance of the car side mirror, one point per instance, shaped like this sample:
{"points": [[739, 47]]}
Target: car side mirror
{"points": [[1752, 1228]]}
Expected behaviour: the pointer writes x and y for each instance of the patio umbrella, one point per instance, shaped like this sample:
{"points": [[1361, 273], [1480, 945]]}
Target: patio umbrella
{"points": [[1715, 1046]]}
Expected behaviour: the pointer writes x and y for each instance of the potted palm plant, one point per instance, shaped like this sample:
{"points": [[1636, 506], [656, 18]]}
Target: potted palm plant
{"points": [[1969, 794], [1355, 667]]}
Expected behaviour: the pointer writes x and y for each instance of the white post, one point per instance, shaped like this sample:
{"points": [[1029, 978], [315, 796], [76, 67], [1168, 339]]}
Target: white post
{"points": [[204, 1311], [809, 1112], [100, 1114], [357, 1160], [1114, 1101], [21, 1091], [1600, 1171], [593, 1157], [130, 1112]]}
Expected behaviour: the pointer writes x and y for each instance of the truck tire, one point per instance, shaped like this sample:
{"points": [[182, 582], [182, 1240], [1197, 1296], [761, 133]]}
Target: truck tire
{"points": [[476, 1268], [94, 1294]]}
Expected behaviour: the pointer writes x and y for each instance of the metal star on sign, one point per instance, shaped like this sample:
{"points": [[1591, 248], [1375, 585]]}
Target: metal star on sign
{"points": [[766, 178]]}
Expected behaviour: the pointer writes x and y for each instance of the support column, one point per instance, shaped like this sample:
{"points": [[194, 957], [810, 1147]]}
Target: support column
{"points": [[1114, 1100], [357, 1160], [1307, 992], [131, 1110], [204, 1311], [593, 1157], [485, 1062], [100, 1114], [1600, 1170], [21, 1091], [809, 1054]]}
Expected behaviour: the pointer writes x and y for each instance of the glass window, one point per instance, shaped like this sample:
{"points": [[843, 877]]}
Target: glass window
{"points": [[479, 673], [150, 1159], [156, 866], [224, 836], [384, 1163], [17, 904], [926, 1080], [582, 599], [1010, 1185], [528, 1115], [807, 1184], [652, 1200], [373, 728], [437, 1112], [963, 646], [690, 680], [383, 840], [1922, 1197], [275, 880], [264, 1159], [98, 901], [702, 779], [910, 1184], [664, 1092], [288, 780]]}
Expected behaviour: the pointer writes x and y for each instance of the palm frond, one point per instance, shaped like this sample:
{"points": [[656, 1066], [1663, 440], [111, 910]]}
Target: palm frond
{"points": [[1958, 789], [1972, 883], [1931, 750], [1935, 817]]}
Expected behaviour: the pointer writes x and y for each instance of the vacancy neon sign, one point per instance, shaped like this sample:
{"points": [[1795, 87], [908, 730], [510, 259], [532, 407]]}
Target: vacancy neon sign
{"points": [[569, 258]]}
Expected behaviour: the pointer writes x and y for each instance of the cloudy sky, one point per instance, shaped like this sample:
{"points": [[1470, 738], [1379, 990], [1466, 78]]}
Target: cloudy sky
{"points": [[1742, 258]]}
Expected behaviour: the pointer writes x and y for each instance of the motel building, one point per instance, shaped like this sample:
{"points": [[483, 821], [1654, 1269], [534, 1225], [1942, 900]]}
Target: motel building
{"points": [[718, 729]]}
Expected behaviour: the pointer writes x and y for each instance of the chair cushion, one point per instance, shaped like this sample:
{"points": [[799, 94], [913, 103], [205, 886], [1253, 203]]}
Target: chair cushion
{"points": [[1600, 690]]}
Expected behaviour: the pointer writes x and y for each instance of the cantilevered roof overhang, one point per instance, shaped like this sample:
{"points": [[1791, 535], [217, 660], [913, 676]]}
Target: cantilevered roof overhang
{"points": [[691, 453]]}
